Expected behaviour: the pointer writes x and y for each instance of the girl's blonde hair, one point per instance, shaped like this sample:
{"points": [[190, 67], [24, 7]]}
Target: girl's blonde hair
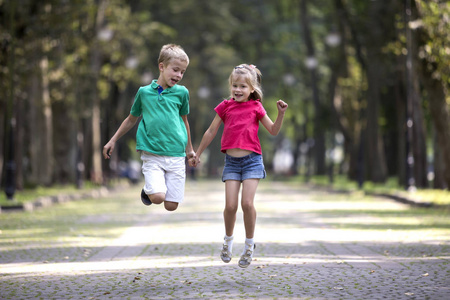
{"points": [[172, 51], [252, 76]]}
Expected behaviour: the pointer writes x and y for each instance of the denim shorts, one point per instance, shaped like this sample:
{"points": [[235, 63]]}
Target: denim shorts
{"points": [[241, 168]]}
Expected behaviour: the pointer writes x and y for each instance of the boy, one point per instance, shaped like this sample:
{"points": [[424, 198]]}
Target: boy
{"points": [[163, 135]]}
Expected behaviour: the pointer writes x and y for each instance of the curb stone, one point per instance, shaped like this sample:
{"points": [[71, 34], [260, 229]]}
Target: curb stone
{"points": [[396, 198], [47, 201]]}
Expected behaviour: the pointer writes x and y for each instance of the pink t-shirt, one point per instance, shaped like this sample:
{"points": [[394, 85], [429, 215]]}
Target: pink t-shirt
{"points": [[241, 123]]}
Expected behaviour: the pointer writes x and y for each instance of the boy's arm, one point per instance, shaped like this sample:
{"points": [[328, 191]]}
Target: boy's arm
{"points": [[189, 149], [208, 136], [126, 125]]}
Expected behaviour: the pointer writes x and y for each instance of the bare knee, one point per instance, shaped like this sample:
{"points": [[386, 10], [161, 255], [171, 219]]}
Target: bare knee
{"points": [[247, 207], [157, 198], [170, 206], [230, 209]]}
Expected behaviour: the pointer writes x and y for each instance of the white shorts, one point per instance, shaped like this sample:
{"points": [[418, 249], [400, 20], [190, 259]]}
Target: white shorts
{"points": [[164, 174]]}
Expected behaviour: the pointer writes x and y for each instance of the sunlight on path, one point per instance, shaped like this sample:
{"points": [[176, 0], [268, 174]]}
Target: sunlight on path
{"points": [[310, 244]]}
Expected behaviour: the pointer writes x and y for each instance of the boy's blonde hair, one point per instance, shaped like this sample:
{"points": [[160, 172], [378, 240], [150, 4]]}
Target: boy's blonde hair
{"points": [[172, 51], [252, 76]]}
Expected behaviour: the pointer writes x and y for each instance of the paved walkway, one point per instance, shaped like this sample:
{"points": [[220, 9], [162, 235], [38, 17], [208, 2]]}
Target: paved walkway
{"points": [[310, 245]]}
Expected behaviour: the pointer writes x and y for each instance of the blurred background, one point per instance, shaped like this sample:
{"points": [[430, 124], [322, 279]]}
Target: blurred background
{"points": [[367, 83]]}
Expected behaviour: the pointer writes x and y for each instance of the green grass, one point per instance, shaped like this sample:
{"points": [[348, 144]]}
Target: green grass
{"points": [[31, 194], [391, 187], [28, 195]]}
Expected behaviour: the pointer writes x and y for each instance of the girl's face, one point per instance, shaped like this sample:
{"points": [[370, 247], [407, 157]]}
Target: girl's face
{"points": [[240, 89], [172, 73]]}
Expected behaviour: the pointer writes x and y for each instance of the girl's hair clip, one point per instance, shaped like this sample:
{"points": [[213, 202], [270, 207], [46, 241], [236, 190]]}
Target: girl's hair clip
{"points": [[253, 66]]}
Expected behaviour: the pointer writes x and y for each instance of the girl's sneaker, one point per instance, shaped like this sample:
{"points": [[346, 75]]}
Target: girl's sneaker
{"points": [[225, 254], [246, 258]]}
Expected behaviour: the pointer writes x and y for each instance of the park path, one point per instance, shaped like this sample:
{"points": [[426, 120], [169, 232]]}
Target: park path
{"points": [[311, 244]]}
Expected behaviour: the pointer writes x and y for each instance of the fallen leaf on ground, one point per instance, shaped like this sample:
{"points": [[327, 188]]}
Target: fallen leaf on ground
{"points": [[260, 267]]}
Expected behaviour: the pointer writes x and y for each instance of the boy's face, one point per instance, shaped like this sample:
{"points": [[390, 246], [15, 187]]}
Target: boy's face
{"points": [[172, 73]]}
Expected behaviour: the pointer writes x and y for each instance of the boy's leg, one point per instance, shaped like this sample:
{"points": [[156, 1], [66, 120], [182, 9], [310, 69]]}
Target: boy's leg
{"points": [[175, 178], [153, 171], [170, 206], [157, 198]]}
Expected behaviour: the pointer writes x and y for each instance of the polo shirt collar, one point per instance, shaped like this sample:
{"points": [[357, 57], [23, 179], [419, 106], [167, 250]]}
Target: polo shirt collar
{"points": [[155, 86]]}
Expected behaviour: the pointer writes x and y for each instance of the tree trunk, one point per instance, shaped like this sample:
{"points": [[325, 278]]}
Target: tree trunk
{"points": [[440, 115], [40, 127], [419, 142], [46, 151], [34, 125], [356, 145], [319, 136], [2, 128], [438, 164], [96, 167], [439, 108], [63, 143], [401, 126], [19, 143], [376, 162]]}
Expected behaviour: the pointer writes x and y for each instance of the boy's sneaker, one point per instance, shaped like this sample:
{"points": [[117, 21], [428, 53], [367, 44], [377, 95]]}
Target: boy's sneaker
{"points": [[225, 254], [145, 199], [246, 258]]}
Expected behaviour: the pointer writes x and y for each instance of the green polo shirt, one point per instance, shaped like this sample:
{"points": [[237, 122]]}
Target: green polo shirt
{"points": [[161, 130]]}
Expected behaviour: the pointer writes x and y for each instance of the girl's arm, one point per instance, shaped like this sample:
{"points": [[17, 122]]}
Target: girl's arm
{"points": [[126, 125], [208, 136], [189, 149], [274, 128]]}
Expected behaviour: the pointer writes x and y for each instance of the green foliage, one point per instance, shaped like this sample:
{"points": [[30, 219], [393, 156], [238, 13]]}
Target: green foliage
{"points": [[96, 54], [435, 20]]}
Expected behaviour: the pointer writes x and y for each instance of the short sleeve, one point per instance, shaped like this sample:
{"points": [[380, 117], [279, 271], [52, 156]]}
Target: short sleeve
{"points": [[260, 112], [220, 109], [184, 109], [136, 109]]}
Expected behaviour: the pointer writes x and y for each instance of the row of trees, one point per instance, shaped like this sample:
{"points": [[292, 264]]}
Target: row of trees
{"points": [[371, 77]]}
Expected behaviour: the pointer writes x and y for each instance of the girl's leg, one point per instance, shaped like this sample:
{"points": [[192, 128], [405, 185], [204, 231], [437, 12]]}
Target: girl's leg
{"points": [[231, 205], [248, 195]]}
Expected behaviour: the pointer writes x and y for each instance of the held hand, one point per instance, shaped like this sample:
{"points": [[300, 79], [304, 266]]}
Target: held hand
{"points": [[195, 161], [191, 158], [281, 106], [108, 150], [191, 162], [190, 154]]}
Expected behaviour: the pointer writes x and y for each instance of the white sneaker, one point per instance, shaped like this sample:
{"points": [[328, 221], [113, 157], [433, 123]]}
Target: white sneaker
{"points": [[246, 258]]}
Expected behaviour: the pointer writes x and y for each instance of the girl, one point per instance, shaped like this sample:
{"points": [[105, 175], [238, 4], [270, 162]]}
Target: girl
{"points": [[241, 115]]}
